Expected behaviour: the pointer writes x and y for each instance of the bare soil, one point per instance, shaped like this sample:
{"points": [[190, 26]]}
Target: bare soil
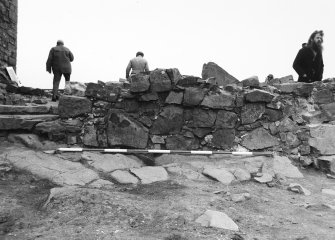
{"points": [[165, 210]]}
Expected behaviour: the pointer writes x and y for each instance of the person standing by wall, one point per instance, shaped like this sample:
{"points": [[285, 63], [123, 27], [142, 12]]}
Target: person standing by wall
{"points": [[309, 62], [59, 62], [137, 65]]}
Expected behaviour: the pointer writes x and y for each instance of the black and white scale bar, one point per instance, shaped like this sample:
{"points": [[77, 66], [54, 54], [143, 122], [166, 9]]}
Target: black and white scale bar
{"points": [[163, 151]]}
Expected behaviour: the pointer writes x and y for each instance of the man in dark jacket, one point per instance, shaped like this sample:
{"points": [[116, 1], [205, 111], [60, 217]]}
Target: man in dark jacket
{"points": [[309, 62], [59, 61]]}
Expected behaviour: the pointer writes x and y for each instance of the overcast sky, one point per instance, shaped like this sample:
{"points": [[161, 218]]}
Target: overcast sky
{"points": [[244, 37]]}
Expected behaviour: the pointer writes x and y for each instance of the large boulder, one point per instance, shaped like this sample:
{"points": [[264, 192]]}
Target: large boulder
{"points": [[73, 106], [222, 78], [124, 131]]}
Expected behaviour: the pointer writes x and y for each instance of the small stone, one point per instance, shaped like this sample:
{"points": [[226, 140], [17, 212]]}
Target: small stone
{"points": [[220, 174], [240, 197], [265, 178], [294, 187], [124, 177], [217, 219], [242, 175]]}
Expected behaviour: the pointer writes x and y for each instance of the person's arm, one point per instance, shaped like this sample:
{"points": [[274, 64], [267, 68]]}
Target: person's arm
{"points": [[146, 67], [297, 64], [49, 61], [321, 70], [71, 56], [128, 70]]}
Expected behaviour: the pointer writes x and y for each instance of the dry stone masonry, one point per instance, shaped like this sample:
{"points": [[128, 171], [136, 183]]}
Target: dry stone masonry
{"points": [[166, 110]]}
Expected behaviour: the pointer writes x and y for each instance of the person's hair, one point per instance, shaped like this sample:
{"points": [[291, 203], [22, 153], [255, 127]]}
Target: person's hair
{"points": [[139, 54], [311, 38], [60, 42]]}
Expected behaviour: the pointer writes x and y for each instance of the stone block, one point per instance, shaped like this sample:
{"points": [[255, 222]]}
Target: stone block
{"points": [[174, 98], [102, 92], [251, 82], [203, 118], [139, 83], [174, 75], [169, 121], [326, 163], [219, 101], [322, 138], [150, 174], [258, 95], [193, 96], [259, 139], [73, 106], [226, 119], [222, 77], [251, 112], [159, 81], [125, 131], [23, 122], [15, 109]]}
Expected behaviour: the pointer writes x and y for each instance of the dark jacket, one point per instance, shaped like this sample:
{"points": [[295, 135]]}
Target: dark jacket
{"points": [[60, 59], [306, 63]]}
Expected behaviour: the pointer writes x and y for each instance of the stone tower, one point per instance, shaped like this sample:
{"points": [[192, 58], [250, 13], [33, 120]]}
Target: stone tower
{"points": [[8, 32]]}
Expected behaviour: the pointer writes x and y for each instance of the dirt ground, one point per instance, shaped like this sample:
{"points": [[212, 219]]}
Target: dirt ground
{"points": [[165, 210]]}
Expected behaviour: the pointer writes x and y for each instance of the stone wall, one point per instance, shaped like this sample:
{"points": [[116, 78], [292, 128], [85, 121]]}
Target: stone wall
{"points": [[166, 110], [8, 30]]}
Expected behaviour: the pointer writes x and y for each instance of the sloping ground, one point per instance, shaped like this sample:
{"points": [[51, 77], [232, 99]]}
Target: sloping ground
{"points": [[163, 210]]}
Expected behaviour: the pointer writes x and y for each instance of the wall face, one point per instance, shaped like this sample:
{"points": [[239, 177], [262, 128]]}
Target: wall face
{"points": [[8, 32]]}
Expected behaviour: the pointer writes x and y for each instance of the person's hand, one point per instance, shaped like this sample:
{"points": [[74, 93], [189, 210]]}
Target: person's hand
{"points": [[49, 71]]}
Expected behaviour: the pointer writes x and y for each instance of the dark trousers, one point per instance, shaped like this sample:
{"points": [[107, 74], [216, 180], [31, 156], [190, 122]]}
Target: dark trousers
{"points": [[56, 81]]}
